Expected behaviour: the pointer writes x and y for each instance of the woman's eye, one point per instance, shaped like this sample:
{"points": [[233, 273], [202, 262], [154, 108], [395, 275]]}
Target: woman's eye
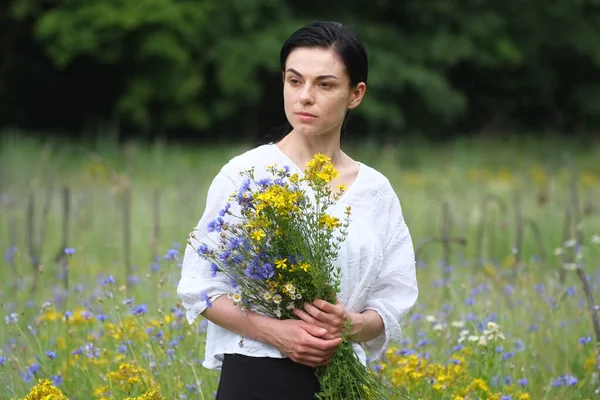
{"points": [[294, 81], [325, 85]]}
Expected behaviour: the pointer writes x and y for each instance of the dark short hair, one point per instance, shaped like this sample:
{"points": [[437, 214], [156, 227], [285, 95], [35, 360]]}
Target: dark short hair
{"points": [[337, 37]]}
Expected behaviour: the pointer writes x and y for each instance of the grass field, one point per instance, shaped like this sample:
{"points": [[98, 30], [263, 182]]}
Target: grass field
{"points": [[493, 222]]}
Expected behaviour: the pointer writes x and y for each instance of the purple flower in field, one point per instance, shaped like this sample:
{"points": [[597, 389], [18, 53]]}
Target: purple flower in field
{"points": [[499, 349], [141, 309], [508, 355], [12, 318], [584, 340], [109, 279], [523, 382], [2, 360], [154, 267], [77, 352], [133, 279], [51, 355], [507, 397], [10, 254], [454, 361], [102, 317], [128, 301], [172, 255], [69, 251], [33, 368], [519, 346], [571, 291], [57, 380]]}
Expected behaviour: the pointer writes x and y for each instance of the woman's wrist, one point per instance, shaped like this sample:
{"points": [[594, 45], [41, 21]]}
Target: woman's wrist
{"points": [[366, 325]]}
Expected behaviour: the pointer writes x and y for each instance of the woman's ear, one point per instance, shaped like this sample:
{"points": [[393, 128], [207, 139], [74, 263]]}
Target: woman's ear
{"points": [[357, 95]]}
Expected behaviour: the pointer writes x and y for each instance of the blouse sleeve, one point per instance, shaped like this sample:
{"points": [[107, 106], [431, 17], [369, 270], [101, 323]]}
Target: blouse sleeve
{"points": [[395, 291], [198, 285]]}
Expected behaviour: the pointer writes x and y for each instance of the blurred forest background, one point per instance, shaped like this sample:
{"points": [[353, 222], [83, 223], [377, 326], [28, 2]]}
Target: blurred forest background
{"points": [[208, 69]]}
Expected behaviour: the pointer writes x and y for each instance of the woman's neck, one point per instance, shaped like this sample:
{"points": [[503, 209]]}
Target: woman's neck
{"points": [[301, 148]]}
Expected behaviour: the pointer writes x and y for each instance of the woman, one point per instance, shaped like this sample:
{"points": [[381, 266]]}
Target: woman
{"points": [[324, 68]]}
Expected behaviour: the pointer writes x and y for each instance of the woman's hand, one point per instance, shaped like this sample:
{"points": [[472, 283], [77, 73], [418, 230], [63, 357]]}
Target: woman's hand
{"points": [[332, 317], [304, 343]]}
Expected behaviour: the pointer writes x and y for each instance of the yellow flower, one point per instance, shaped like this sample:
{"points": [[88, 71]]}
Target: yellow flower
{"points": [[281, 264], [329, 222], [151, 394], [304, 266], [258, 234], [45, 390]]}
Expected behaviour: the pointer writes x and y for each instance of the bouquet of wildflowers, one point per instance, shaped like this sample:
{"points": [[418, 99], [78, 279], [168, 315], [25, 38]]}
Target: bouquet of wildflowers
{"points": [[279, 252]]}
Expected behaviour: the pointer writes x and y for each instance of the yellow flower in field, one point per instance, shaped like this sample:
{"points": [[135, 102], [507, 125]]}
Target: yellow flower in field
{"points": [[102, 392], [45, 390], [320, 168], [152, 394], [258, 234], [523, 396], [281, 264], [590, 363], [304, 266], [294, 178], [329, 222]]}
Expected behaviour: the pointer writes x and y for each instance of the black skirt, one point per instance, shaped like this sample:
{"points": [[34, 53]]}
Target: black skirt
{"points": [[265, 378]]}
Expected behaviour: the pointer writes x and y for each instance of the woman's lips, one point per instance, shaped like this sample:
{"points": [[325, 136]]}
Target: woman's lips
{"points": [[306, 117]]}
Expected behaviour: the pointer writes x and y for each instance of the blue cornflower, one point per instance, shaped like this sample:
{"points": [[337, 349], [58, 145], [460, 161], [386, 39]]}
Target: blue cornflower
{"points": [[57, 380], [237, 259], [215, 225], [523, 382], [204, 297], [234, 242], [154, 267], [108, 280], [406, 352], [584, 340], [173, 343], [12, 318], [172, 255], [141, 309], [519, 345], [508, 355], [455, 361], [214, 268], [128, 301], [10, 254], [571, 291], [122, 349], [69, 251], [102, 317], [499, 349], [233, 283], [570, 380], [51, 355], [470, 301], [507, 397], [2, 360], [225, 255], [33, 368], [133, 279], [224, 210], [77, 351], [203, 249]]}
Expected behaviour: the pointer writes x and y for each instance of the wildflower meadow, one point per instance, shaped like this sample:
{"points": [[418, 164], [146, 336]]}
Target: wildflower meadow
{"points": [[506, 235]]}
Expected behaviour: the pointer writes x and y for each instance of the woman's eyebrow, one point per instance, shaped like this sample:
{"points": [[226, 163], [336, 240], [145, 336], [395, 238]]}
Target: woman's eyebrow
{"points": [[292, 70]]}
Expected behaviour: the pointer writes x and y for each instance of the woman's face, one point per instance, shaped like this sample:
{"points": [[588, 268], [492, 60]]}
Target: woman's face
{"points": [[317, 92]]}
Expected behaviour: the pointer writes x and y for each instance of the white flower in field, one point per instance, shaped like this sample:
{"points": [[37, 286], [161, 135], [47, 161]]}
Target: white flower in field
{"points": [[458, 324], [579, 256], [570, 266], [482, 341], [473, 338], [267, 296], [596, 239], [430, 318], [278, 312], [570, 243], [438, 327], [277, 298], [493, 326], [236, 297], [46, 305], [290, 306], [558, 251]]}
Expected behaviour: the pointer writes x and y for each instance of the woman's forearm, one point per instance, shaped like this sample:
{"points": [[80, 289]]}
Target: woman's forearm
{"points": [[366, 325], [249, 324]]}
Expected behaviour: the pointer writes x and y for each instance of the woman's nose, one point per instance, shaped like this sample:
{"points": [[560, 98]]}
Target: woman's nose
{"points": [[307, 95]]}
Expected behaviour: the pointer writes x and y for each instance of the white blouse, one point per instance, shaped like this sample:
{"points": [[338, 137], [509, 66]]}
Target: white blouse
{"points": [[377, 257]]}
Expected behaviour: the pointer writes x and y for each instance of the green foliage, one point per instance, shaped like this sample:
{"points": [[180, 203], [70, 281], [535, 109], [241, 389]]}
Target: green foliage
{"points": [[433, 65]]}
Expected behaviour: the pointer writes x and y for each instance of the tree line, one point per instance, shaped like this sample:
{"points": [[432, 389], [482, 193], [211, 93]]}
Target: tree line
{"points": [[207, 68]]}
